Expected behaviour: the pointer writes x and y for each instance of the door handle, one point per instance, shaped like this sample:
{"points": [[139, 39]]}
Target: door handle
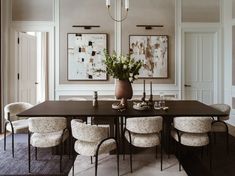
{"points": [[36, 83], [186, 85]]}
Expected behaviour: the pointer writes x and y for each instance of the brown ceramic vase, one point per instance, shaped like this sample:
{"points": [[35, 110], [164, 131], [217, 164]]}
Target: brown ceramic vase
{"points": [[123, 91]]}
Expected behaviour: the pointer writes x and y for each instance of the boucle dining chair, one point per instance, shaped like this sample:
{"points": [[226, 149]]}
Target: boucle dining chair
{"points": [[45, 132], [13, 123], [193, 132], [219, 124], [144, 132], [92, 140]]}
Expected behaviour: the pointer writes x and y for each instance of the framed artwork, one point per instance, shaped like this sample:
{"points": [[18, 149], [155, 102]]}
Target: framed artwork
{"points": [[86, 56], [152, 50]]}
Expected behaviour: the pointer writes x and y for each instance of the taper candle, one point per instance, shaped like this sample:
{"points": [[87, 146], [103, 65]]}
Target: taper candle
{"points": [[126, 4], [107, 3]]}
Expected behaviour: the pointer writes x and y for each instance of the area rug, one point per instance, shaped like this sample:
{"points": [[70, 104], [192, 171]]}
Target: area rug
{"points": [[47, 164]]}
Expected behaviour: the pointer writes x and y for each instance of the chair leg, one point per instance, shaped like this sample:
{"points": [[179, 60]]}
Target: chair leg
{"points": [[96, 164], [162, 148], [130, 148], [123, 144], [122, 136], [61, 155], [13, 152], [5, 131], [118, 161], [161, 156], [210, 156], [73, 158], [91, 160], [210, 151], [36, 153], [29, 158], [179, 155]]}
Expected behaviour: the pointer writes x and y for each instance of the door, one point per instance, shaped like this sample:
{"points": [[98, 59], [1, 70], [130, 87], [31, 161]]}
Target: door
{"points": [[27, 62], [199, 52]]}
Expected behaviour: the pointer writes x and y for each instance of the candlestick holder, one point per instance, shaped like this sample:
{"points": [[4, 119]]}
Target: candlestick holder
{"points": [[150, 101], [143, 97]]}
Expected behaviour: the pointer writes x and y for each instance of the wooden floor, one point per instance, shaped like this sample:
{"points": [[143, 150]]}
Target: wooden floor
{"points": [[222, 162]]}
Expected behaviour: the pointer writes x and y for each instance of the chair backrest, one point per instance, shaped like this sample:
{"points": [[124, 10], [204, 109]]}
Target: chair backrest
{"points": [[88, 133], [47, 124], [193, 124], [144, 125], [224, 108], [15, 108]]}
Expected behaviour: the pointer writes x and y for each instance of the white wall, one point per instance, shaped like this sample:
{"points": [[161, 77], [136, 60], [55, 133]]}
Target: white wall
{"points": [[201, 10], [32, 10]]}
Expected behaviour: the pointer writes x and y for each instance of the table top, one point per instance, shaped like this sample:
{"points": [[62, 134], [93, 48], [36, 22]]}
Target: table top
{"points": [[104, 109]]}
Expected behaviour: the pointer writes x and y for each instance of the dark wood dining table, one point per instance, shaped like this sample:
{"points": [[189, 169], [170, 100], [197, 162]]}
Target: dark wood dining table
{"points": [[104, 109], [73, 109]]}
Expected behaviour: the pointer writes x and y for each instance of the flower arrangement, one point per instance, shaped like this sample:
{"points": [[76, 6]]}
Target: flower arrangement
{"points": [[122, 67]]}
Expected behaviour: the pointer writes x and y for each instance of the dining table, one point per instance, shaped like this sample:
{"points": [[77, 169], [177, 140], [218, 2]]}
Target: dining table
{"points": [[78, 109]]}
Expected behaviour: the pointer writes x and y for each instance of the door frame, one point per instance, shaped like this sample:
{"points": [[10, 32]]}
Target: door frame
{"points": [[217, 62], [17, 27]]}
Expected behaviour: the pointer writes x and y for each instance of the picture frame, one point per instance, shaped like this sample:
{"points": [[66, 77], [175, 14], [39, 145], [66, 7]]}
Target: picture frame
{"points": [[85, 56], [153, 51]]}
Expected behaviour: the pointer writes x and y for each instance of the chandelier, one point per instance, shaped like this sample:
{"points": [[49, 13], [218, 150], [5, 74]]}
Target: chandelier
{"points": [[108, 5]]}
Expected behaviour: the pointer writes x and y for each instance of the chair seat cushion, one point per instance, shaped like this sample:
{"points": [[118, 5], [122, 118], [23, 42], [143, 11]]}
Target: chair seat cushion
{"points": [[219, 127], [143, 140], [191, 139], [44, 140], [89, 148], [20, 126]]}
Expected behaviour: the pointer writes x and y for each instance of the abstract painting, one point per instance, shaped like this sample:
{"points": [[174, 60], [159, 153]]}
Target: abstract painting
{"points": [[152, 50], [86, 56]]}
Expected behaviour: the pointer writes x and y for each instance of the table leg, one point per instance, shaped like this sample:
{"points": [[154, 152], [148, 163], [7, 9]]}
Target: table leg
{"points": [[167, 133]]}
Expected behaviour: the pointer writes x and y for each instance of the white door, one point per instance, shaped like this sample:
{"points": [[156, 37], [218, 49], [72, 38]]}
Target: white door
{"points": [[199, 52], [27, 62]]}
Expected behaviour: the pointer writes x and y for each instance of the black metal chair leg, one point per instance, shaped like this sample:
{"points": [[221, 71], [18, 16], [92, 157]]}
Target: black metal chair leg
{"points": [[130, 148], [118, 161], [13, 152], [61, 155], [122, 136], [179, 155], [96, 164], [210, 148], [36, 153], [161, 157], [162, 148], [210, 157], [5, 131], [29, 158], [73, 158], [123, 147]]}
